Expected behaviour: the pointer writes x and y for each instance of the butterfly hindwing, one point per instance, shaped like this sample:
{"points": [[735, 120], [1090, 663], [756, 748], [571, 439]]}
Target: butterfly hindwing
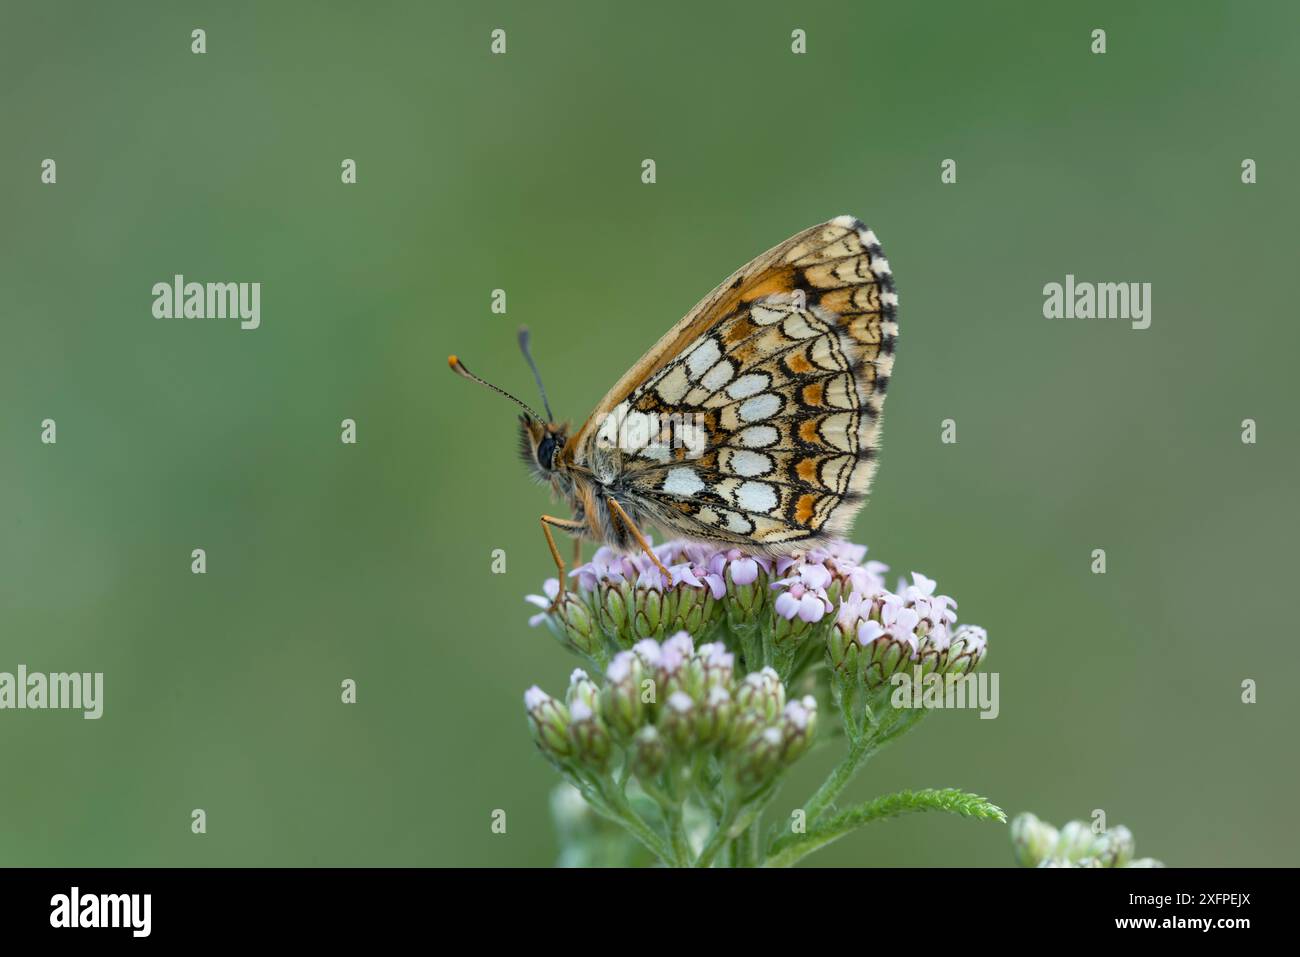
{"points": [[756, 419]]}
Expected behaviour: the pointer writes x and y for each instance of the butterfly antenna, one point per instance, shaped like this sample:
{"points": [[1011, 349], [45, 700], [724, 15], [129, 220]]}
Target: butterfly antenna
{"points": [[523, 347], [458, 367]]}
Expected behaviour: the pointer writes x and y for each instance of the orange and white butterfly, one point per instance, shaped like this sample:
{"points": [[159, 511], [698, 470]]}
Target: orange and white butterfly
{"points": [[754, 421]]}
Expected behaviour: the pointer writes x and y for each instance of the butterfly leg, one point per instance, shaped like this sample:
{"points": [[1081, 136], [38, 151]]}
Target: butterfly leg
{"points": [[569, 525], [641, 540]]}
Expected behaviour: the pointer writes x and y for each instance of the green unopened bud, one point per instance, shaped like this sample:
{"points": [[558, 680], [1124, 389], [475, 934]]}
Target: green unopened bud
{"points": [[760, 759], [798, 725], [1033, 840], [647, 612], [621, 700], [929, 657], [881, 658], [649, 755], [743, 727], [762, 692], [842, 649], [688, 608], [1115, 846], [719, 665], [582, 689], [1075, 842], [966, 650], [612, 607], [677, 720], [549, 721], [713, 718], [673, 670], [574, 624], [790, 630], [591, 741]]}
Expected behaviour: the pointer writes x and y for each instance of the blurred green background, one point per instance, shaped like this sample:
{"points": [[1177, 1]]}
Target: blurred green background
{"points": [[328, 561]]}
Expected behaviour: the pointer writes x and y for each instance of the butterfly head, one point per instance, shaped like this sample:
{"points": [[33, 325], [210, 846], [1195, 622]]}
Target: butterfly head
{"points": [[541, 440], [540, 445]]}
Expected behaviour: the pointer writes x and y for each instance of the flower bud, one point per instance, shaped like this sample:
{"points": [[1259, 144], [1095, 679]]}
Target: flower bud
{"points": [[762, 692], [842, 648], [582, 689], [677, 721], [549, 721], [674, 657], [966, 649], [798, 725], [746, 581], [590, 737], [743, 727], [759, 759], [1075, 841], [1032, 839], [648, 753], [1115, 847], [713, 718], [688, 608], [612, 602], [569, 619], [621, 699], [719, 665], [648, 606], [883, 654]]}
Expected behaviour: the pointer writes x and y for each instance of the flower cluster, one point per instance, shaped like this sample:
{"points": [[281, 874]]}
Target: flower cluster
{"points": [[1038, 844], [880, 633], [665, 709], [789, 612], [692, 716]]}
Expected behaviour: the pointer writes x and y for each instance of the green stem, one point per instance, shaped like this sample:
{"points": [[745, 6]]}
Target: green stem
{"points": [[718, 839], [861, 748], [838, 779], [616, 808]]}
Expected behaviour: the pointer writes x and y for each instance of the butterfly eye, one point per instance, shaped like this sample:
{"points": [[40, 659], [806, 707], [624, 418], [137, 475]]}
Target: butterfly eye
{"points": [[546, 450]]}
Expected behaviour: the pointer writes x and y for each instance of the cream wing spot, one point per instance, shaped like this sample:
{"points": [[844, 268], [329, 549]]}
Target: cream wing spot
{"points": [[760, 407], [756, 497], [747, 463], [748, 385], [738, 523], [673, 385], [766, 315], [702, 357], [683, 482], [718, 376], [758, 436]]}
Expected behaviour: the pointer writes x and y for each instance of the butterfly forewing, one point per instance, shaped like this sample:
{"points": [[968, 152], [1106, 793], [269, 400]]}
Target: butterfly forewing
{"points": [[756, 419]]}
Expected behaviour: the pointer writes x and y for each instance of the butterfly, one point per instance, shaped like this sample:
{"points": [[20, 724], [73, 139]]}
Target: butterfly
{"points": [[755, 421]]}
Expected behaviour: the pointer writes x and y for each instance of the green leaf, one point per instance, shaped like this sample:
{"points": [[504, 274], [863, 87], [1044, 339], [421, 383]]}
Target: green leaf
{"points": [[951, 800]]}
